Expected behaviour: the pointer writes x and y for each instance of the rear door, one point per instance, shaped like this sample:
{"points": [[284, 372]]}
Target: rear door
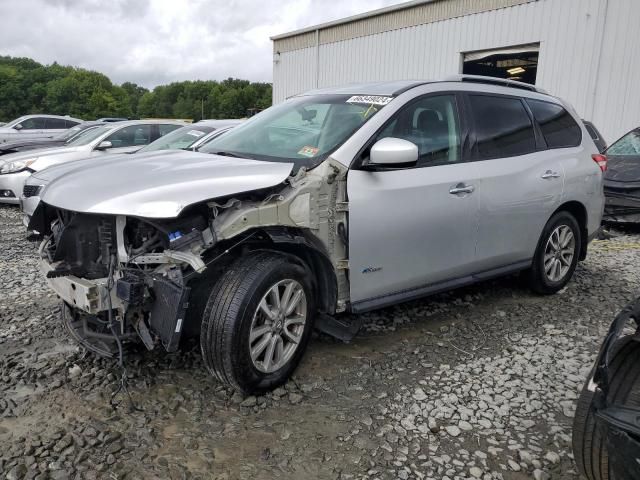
{"points": [[520, 182], [54, 126], [412, 228]]}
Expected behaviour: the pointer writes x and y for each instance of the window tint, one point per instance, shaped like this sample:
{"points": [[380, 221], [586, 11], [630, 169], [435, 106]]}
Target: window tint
{"points": [[503, 126], [432, 124], [55, 123], [592, 131], [165, 128], [131, 136], [71, 123], [629, 145], [559, 128], [34, 123]]}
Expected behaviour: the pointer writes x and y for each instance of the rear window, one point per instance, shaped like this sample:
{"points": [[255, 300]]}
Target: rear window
{"points": [[503, 126], [558, 127]]}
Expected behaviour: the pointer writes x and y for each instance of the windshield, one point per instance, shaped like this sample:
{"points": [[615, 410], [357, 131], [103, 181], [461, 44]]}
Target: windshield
{"points": [[629, 145], [304, 130], [181, 138], [88, 136]]}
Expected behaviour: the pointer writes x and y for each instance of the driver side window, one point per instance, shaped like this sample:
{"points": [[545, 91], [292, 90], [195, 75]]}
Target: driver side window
{"points": [[131, 136], [33, 123], [432, 124]]}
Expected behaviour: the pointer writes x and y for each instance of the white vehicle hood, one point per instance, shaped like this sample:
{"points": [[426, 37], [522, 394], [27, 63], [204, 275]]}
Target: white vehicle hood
{"points": [[155, 184]]}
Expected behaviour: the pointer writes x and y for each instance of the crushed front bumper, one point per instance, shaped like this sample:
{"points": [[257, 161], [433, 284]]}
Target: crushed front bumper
{"points": [[90, 296]]}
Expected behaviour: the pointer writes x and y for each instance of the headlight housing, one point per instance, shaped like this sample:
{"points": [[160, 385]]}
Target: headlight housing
{"points": [[17, 166]]}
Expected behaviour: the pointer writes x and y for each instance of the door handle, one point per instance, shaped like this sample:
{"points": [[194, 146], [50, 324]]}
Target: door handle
{"points": [[461, 188], [550, 174]]}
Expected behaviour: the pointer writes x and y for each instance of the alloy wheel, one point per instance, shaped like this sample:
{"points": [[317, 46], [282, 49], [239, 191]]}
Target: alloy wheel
{"points": [[559, 253], [278, 325]]}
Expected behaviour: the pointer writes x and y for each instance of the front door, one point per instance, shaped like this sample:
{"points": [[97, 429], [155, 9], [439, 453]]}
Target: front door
{"points": [[413, 228]]}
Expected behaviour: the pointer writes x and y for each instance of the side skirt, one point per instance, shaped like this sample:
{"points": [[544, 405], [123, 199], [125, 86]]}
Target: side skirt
{"points": [[419, 292]]}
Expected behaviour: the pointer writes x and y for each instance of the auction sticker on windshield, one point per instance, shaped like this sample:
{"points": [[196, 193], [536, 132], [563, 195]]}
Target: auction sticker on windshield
{"points": [[370, 99], [308, 151], [195, 133]]}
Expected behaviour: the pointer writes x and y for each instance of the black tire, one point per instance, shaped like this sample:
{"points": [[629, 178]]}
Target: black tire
{"points": [[589, 443], [226, 322], [538, 279]]}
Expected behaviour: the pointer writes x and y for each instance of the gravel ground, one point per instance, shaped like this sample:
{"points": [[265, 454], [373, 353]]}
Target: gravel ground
{"points": [[477, 383]]}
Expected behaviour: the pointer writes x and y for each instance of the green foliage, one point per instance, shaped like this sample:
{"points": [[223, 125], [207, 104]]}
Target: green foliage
{"points": [[29, 87]]}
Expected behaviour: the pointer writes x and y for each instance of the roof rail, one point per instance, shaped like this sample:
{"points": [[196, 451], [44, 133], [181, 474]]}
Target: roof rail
{"points": [[503, 82]]}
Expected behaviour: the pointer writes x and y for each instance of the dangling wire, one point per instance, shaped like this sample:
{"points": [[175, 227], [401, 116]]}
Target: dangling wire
{"points": [[122, 387]]}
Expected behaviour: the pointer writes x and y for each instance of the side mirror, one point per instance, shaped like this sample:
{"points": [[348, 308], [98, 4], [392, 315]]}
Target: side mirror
{"points": [[18, 126], [105, 144], [392, 151]]}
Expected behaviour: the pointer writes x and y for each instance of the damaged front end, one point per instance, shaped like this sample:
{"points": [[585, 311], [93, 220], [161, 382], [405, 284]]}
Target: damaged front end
{"points": [[131, 277], [123, 273]]}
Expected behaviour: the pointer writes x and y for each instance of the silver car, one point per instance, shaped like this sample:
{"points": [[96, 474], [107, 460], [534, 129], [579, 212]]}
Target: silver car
{"points": [[190, 137], [119, 137], [339, 200], [36, 126]]}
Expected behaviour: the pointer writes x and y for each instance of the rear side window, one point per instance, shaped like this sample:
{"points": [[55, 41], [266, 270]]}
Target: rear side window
{"points": [[70, 123], [558, 127], [592, 131], [503, 127], [55, 124]]}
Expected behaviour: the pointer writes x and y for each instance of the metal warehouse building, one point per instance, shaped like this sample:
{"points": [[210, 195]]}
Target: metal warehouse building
{"points": [[585, 51]]}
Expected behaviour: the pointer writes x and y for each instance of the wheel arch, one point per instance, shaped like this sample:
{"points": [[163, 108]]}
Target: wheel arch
{"points": [[579, 212], [306, 248]]}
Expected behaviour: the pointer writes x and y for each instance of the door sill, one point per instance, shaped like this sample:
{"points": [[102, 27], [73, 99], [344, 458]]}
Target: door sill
{"points": [[433, 288]]}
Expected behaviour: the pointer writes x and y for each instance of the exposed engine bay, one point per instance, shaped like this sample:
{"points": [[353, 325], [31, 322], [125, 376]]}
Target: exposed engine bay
{"points": [[148, 278]]}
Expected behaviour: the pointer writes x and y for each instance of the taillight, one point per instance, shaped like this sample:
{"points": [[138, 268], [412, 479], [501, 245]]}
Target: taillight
{"points": [[601, 160]]}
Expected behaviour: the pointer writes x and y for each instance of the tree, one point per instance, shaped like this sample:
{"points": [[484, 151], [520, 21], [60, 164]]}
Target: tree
{"points": [[26, 86]]}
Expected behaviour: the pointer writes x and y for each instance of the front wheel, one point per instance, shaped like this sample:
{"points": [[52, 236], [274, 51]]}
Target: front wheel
{"points": [[557, 254], [257, 322]]}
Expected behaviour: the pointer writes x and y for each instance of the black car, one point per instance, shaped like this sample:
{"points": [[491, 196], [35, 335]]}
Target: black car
{"points": [[606, 427], [57, 141], [595, 136], [622, 180]]}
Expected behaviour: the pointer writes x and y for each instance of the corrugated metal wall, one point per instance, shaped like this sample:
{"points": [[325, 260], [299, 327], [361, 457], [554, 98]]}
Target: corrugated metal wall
{"points": [[589, 53]]}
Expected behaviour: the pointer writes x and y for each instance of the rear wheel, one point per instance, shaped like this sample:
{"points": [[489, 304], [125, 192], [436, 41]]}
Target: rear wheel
{"points": [[257, 322], [589, 443], [557, 254]]}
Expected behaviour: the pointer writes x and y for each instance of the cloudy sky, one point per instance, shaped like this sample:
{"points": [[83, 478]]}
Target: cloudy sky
{"points": [[153, 42]]}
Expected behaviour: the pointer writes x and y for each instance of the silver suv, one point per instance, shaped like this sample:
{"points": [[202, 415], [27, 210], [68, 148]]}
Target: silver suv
{"points": [[344, 199]]}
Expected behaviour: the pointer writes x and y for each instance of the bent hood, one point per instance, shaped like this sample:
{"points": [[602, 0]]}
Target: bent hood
{"points": [[155, 184]]}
